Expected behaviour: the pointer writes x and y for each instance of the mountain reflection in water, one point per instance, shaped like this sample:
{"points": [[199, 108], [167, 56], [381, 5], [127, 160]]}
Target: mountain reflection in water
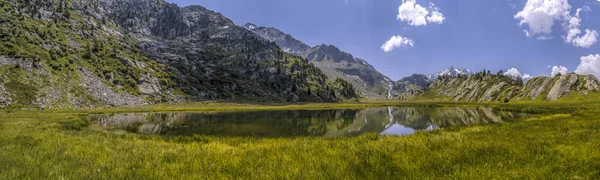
{"points": [[293, 123]]}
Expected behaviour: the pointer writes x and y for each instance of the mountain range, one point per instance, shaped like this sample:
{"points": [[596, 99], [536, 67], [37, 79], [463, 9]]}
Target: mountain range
{"points": [[73, 53], [450, 71]]}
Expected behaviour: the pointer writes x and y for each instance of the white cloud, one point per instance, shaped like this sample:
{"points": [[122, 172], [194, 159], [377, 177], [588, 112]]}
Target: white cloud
{"points": [[540, 15], [573, 31], [514, 73], [573, 27], [586, 40], [396, 42], [416, 15], [589, 65], [559, 69], [436, 16]]}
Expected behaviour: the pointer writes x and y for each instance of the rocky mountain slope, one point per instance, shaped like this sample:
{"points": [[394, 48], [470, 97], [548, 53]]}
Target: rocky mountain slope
{"points": [[332, 61], [76, 53], [285, 41], [338, 64], [494, 88]]}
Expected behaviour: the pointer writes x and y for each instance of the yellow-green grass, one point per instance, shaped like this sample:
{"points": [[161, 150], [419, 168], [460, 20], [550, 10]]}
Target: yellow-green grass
{"points": [[57, 145]]}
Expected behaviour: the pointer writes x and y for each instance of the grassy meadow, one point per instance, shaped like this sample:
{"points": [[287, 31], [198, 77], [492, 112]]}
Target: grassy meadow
{"points": [[561, 143]]}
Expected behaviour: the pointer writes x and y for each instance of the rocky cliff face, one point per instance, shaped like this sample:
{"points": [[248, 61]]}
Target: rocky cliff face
{"points": [[492, 88], [553, 88], [338, 64], [285, 41], [76, 53]]}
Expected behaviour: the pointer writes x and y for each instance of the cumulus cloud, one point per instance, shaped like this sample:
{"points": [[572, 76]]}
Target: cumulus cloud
{"points": [[573, 31], [589, 65], [396, 42], [514, 73], [586, 40], [436, 16], [416, 15], [540, 16], [559, 69]]}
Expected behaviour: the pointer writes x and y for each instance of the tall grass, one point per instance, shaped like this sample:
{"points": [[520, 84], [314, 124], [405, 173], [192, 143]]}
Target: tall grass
{"points": [[42, 145]]}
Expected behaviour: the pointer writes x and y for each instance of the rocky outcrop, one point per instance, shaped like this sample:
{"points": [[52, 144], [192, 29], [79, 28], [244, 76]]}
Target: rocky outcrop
{"points": [[565, 84], [493, 88], [5, 100], [104, 93]]}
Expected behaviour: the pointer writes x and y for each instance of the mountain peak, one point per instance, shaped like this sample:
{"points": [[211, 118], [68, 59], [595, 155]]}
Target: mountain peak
{"points": [[450, 71], [250, 26]]}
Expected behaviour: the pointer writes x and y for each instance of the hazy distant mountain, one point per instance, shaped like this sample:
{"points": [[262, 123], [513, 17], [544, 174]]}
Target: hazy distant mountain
{"points": [[338, 64], [332, 61], [409, 87], [285, 41]]}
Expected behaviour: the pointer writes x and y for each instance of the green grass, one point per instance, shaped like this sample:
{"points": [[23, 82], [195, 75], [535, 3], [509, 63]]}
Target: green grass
{"points": [[57, 145]]}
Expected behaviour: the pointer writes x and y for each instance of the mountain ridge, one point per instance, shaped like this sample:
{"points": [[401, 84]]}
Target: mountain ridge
{"points": [[283, 40], [340, 64], [493, 88], [332, 61]]}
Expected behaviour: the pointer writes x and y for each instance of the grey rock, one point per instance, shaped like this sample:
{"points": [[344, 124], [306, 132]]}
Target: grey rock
{"points": [[105, 94], [562, 86], [505, 89], [293, 98], [149, 85], [490, 94]]}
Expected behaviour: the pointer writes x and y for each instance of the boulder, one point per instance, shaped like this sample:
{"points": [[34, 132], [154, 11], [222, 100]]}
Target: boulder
{"points": [[293, 98]]}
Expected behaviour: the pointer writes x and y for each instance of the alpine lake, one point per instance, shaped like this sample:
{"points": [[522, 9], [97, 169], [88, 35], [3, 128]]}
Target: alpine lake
{"points": [[397, 121]]}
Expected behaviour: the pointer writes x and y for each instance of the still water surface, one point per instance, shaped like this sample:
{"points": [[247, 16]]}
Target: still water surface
{"points": [[293, 123]]}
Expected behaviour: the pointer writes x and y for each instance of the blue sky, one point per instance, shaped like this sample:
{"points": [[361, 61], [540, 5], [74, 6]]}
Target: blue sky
{"points": [[474, 34]]}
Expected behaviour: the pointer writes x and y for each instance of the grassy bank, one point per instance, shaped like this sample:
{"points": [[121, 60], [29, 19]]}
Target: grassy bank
{"points": [[253, 106], [52, 145]]}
